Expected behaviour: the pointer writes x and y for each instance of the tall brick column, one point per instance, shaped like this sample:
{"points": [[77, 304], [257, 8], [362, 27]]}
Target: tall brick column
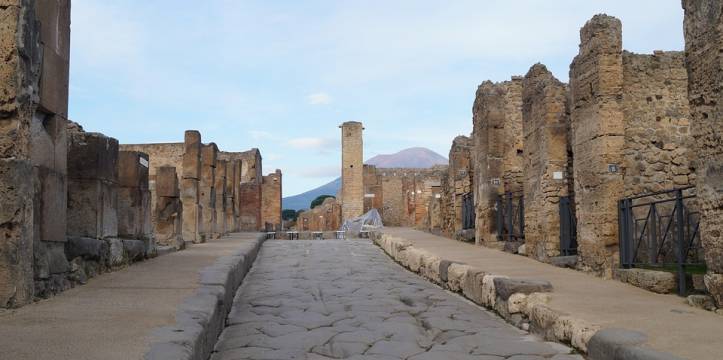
{"points": [[596, 85], [271, 201], [547, 172], [207, 197], [704, 59], [220, 192], [190, 188], [352, 170]]}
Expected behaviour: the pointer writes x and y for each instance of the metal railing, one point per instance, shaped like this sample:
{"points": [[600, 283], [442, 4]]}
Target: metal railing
{"points": [[510, 217], [468, 214], [661, 231], [568, 227]]}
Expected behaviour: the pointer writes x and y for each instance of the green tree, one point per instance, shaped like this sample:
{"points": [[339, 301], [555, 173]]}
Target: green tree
{"points": [[320, 200], [289, 215]]}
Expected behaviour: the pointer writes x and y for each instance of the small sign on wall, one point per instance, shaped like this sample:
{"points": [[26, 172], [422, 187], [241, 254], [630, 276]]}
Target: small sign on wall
{"points": [[558, 175], [438, 196], [369, 195], [144, 162], [613, 168], [495, 181]]}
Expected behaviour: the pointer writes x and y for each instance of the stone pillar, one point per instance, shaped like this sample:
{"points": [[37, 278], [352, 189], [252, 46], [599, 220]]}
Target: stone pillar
{"points": [[596, 86], [221, 204], [704, 59], [249, 207], [458, 183], [498, 148], [271, 201], [92, 185], [232, 194], [352, 173], [134, 198], [168, 213], [191, 190], [547, 173], [207, 192]]}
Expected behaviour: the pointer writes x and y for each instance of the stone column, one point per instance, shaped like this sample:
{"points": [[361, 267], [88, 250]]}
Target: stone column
{"points": [[547, 177], [168, 212], [207, 197], [134, 198], [190, 188], [220, 190], [704, 59], [232, 181]]}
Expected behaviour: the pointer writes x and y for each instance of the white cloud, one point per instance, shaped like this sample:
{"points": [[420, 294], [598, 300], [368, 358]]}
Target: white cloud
{"points": [[261, 135], [312, 143], [321, 172], [320, 98]]}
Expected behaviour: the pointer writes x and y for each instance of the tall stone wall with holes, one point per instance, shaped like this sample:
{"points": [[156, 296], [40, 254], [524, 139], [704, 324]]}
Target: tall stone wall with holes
{"points": [[456, 185], [704, 59], [325, 217], [20, 70], [249, 199], [352, 170], [497, 150], [271, 201], [406, 195], [630, 125], [547, 159]]}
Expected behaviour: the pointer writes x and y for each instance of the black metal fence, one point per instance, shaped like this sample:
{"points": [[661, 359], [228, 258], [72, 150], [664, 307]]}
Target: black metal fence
{"points": [[660, 231], [510, 217], [568, 227], [468, 214]]}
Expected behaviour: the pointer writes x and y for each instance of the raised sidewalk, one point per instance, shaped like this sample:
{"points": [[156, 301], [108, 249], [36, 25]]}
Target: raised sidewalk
{"points": [[116, 315], [670, 324]]}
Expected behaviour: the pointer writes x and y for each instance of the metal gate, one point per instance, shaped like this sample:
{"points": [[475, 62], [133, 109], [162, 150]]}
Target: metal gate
{"points": [[510, 217], [468, 214], [660, 231], [568, 227]]}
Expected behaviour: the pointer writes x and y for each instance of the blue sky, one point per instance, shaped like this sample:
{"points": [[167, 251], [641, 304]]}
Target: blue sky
{"points": [[282, 75]]}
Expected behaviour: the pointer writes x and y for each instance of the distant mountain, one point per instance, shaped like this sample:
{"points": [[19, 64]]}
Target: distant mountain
{"points": [[418, 157], [302, 201]]}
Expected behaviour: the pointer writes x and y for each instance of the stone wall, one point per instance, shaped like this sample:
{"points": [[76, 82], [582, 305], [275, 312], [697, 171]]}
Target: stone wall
{"points": [[497, 150], [547, 160], [373, 195], [630, 129], [271, 201], [220, 191], [352, 170], [207, 192], [703, 44], [325, 217], [406, 194], [191, 188]]}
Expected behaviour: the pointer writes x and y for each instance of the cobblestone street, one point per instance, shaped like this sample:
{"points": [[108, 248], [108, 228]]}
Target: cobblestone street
{"points": [[347, 300]]}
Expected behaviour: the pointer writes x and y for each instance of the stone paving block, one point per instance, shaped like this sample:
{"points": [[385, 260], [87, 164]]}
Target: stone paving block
{"points": [[505, 287]]}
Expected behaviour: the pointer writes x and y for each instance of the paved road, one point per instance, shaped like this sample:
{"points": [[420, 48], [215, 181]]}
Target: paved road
{"points": [[336, 299]]}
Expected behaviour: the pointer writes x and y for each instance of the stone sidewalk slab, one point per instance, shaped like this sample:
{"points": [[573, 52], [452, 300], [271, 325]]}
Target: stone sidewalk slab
{"points": [[670, 324], [115, 315]]}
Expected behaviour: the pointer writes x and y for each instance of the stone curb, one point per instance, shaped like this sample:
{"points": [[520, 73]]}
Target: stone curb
{"points": [[201, 317], [522, 302]]}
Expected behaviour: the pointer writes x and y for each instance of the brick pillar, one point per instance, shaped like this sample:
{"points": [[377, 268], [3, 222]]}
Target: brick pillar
{"points": [[220, 190], [497, 150], [168, 213], [207, 193], [596, 86], [190, 188], [271, 201], [546, 124], [703, 44], [352, 173]]}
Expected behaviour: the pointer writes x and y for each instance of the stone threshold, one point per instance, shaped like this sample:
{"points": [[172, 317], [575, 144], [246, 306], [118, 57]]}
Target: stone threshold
{"points": [[520, 301]]}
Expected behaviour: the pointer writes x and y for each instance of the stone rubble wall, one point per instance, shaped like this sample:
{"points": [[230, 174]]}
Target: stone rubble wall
{"points": [[703, 43], [407, 193], [168, 209], [271, 201], [455, 185], [325, 217], [547, 176], [373, 192]]}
